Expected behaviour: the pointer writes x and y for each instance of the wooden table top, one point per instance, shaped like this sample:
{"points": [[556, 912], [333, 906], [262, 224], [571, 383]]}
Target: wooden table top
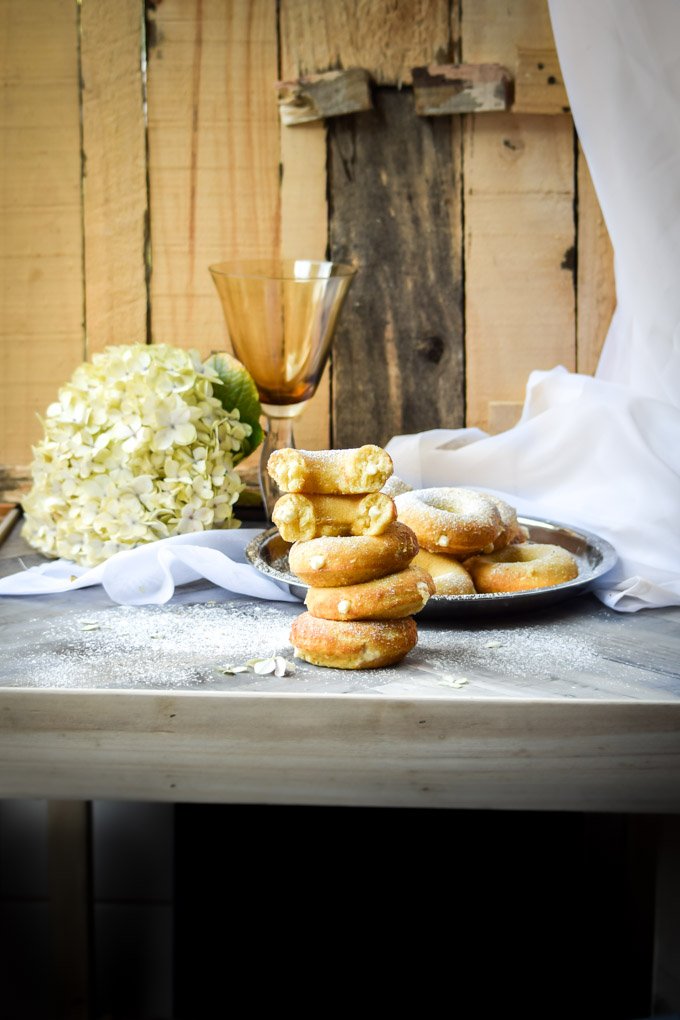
{"points": [[572, 707]]}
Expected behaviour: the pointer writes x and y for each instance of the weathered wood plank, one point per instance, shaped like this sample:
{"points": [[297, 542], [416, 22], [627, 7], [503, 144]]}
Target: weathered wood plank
{"points": [[517, 34], [301, 749], [304, 234], [41, 330], [213, 156], [304, 224], [519, 224], [519, 258], [398, 363], [442, 89], [115, 214], [385, 38], [331, 94], [596, 286], [539, 84]]}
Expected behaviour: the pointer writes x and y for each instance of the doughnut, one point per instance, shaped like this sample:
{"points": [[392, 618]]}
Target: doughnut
{"points": [[512, 530], [352, 644], [332, 562], [395, 486], [300, 518], [387, 598], [449, 575], [522, 567], [455, 521], [365, 469]]}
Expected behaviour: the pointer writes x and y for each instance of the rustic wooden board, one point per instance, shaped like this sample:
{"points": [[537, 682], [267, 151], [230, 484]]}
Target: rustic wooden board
{"points": [[519, 225], [331, 94], [41, 329], [596, 287], [573, 708], [385, 38], [398, 363], [239, 749], [444, 89], [213, 157], [115, 207], [304, 227], [519, 254], [517, 34]]}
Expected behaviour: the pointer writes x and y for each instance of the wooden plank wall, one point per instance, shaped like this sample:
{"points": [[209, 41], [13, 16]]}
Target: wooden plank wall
{"points": [[142, 142]]}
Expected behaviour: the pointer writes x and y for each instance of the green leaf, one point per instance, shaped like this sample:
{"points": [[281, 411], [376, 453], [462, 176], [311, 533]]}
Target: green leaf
{"points": [[236, 389]]}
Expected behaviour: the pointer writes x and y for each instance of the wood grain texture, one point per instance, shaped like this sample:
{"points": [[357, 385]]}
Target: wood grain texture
{"points": [[519, 222], [213, 157], [115, 210], [519, 257], [442, 89], [41, 330], [596, 286], [297, 749], [517, 34], [398, 361], [385, 38], [539, 86], [331, 94], [304, 234], [304, 230]]}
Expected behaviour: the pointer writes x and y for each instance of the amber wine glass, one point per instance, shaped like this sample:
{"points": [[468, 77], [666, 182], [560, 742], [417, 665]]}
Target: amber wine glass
{"points": [[281, 316]]}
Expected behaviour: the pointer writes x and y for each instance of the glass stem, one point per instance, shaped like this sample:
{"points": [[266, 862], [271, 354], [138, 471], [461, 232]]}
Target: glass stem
{"points": [[278, 435]]}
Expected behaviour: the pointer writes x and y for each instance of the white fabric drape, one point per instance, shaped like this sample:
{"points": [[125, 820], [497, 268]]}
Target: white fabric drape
{"points": [[605, 452]]}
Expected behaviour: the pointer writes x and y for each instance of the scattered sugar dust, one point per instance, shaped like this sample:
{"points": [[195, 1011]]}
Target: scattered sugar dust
{"points": [[155, 646]]}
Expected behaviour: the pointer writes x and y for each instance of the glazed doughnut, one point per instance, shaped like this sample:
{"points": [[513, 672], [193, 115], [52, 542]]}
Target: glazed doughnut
{"points": [[332, 562], [522, 567], [365, 469], [352, 644], [448, 574], [300, 518], [455, 521], [387, 598]]}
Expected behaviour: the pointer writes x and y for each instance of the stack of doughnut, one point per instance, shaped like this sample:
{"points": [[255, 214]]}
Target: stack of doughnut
{"points": [[353, 554], [471, 542]]}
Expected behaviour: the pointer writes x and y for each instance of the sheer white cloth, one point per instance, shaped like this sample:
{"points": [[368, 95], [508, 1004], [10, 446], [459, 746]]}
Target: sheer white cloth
{"points": [[605, 452]]}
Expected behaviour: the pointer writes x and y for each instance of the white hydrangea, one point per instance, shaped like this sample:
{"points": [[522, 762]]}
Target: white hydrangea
{"points": [[136, 448]]}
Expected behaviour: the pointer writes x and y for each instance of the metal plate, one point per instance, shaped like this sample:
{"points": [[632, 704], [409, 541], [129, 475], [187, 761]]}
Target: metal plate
{"points": [[269, 554]]}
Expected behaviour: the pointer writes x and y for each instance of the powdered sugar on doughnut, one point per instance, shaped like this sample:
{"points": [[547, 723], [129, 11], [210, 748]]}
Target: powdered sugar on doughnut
{"points": [[454, 520]]}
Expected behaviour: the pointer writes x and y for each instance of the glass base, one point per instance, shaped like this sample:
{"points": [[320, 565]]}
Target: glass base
{"points": [[278, 436]]}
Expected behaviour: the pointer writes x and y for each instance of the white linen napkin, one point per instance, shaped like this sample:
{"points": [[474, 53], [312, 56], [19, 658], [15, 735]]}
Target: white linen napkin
{"points": [[148, 574]]}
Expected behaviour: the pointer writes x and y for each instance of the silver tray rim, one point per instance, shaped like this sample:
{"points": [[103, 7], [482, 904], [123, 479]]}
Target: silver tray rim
{"points": [[595, 555]]}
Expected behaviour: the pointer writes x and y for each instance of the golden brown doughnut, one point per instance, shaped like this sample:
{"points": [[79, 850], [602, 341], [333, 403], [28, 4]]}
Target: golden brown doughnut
{"points": [[300, 518], [386, 598], [449, 575], [522, 567], [365, 469], [352, 644], [512, 530], [331, 562], [455, 521]]}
